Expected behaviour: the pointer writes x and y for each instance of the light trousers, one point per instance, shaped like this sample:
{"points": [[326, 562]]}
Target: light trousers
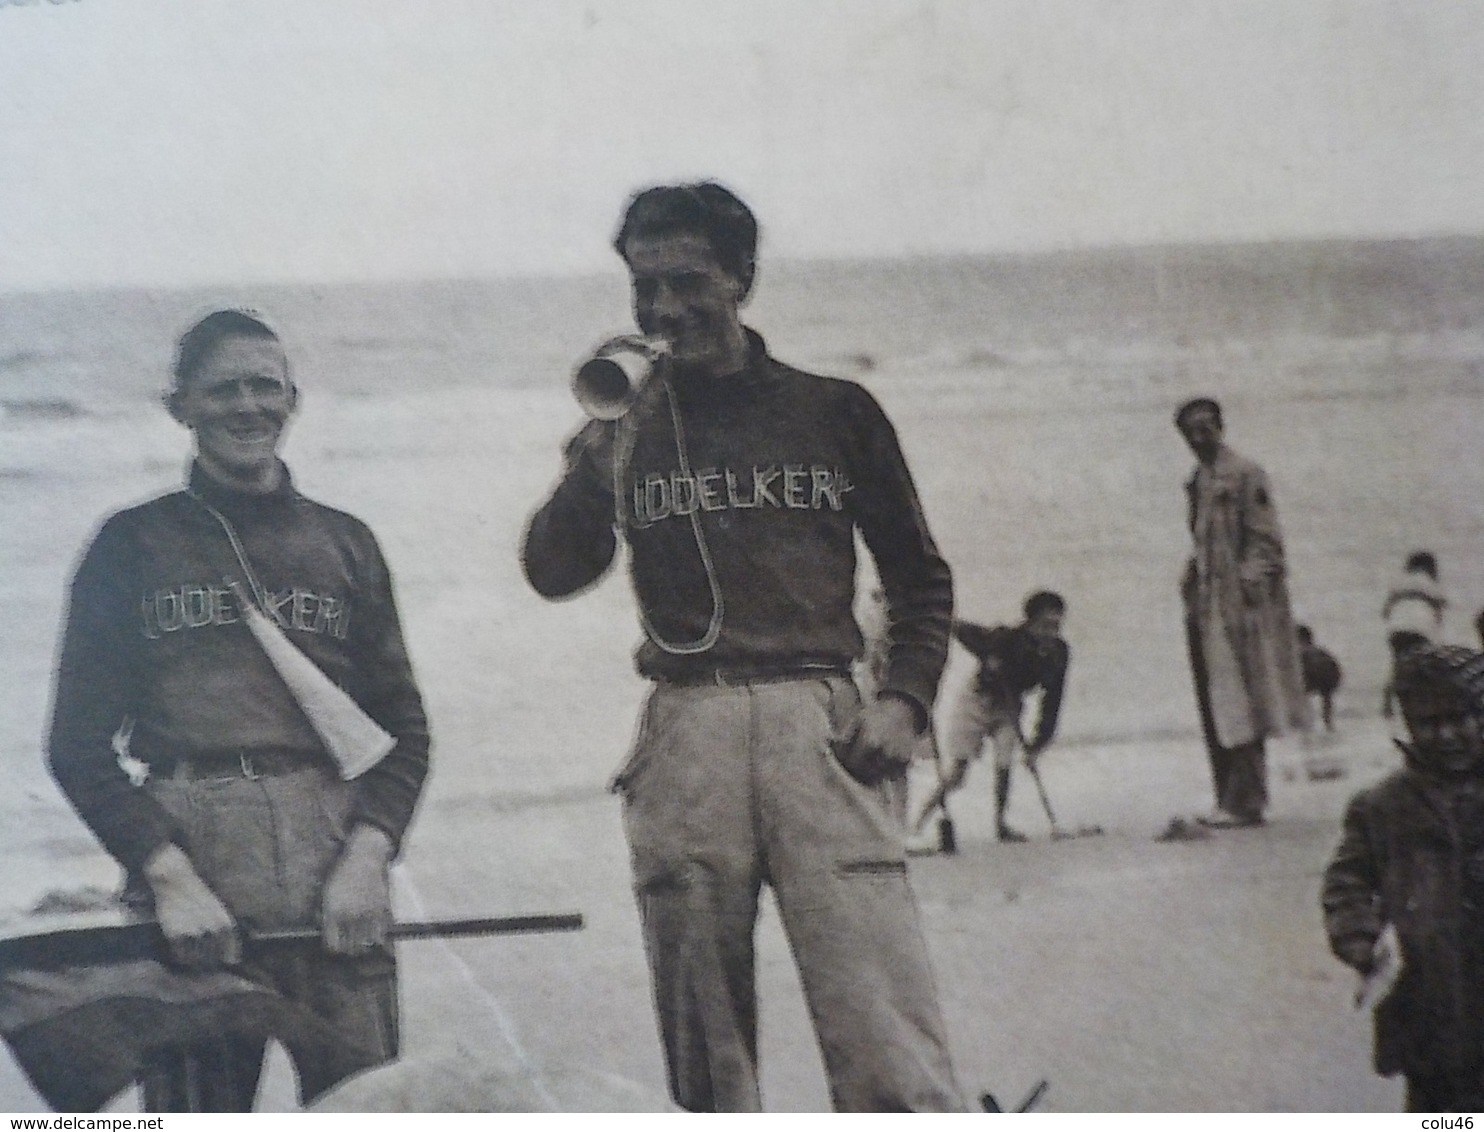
{"points": [[729, 788]]}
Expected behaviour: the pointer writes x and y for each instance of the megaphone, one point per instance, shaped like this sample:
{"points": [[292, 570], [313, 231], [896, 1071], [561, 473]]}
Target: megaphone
{"points": [[608, 383]]}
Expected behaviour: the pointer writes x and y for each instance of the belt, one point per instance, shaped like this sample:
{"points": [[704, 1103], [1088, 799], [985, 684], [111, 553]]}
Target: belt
{"points": [[753, 674], [240, 762]]}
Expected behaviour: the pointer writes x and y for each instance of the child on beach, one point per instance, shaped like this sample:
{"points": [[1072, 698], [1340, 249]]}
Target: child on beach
{"points": [[1416, 602], [1412, 612], [1014, 661], [1321, 674], [1403, 895]]}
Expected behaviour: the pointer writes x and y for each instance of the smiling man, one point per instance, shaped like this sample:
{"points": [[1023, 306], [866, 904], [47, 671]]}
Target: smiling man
{"points": [[739, 485], [243, 825]]}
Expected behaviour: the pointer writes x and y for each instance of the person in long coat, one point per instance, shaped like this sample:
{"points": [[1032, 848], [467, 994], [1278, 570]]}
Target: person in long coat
{"points": [[1239, 623]]}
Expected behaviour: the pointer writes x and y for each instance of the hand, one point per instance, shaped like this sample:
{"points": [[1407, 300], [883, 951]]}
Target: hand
{"points": [[1358, 954], [1383, 952], [882, 743], [591, 452], [356, 909], [1188, 581], [197, 926], [651, 347], [1257, 576], [1379, 964]]}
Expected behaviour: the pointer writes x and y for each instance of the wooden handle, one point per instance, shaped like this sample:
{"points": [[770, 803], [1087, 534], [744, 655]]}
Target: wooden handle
{"points": [[116, 943]]}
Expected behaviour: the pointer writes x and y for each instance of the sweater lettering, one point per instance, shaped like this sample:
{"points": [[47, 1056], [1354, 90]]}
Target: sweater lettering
{"points": [[200, 607], [799, 487]]}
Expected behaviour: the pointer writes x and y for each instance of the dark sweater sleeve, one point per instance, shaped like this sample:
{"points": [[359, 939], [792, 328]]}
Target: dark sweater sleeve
{"points": [[1054, 684], [96, 692], [1351, 891], [570, 541], [978, 639], [917, 581], [387, 794]]}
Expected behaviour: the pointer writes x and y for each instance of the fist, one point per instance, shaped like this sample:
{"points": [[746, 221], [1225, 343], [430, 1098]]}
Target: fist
{"points": [[197, 927], [357, 904], [881, 745]]}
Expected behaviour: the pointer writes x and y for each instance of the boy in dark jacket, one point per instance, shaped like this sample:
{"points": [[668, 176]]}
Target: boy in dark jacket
{"points": [[1014, 661], [1412, 856]]}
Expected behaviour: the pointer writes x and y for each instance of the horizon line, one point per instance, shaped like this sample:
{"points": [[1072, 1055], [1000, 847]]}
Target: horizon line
{"points": [[528, 275]]}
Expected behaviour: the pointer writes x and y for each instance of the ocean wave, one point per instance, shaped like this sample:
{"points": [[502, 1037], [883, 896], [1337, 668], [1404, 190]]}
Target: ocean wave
{"points": [[376, 343], [40, 408], [21, 359]]}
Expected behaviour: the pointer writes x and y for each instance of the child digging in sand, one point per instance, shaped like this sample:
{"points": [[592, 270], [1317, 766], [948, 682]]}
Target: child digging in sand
{"points": [[1014, 661]]}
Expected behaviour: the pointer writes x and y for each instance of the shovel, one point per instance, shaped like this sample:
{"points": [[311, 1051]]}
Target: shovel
{"points": [[1057, 833]]}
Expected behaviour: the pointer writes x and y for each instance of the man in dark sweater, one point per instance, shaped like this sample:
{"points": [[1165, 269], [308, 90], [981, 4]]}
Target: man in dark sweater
{"points": [[739, 484], [243, 825], [1013, 662]]}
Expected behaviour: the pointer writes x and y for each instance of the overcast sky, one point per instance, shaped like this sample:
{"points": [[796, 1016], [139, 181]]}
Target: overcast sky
{"points": [[186, 141]]}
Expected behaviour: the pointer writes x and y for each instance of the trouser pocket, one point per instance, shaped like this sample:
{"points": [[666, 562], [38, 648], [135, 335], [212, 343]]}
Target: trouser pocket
{"points": [[841, 702], [642, 750]]}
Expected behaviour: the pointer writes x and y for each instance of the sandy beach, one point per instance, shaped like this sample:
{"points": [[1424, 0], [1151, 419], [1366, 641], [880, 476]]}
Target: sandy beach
{"points": [[1132, 975]]}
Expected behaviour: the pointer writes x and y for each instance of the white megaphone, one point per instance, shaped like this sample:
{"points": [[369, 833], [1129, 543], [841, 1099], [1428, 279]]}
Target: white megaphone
{"points": [[608, 383], [353, 739]]}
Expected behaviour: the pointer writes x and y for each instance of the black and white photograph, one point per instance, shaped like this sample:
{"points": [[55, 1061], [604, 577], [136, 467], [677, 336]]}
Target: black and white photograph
{"points": [[789, 556]]}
